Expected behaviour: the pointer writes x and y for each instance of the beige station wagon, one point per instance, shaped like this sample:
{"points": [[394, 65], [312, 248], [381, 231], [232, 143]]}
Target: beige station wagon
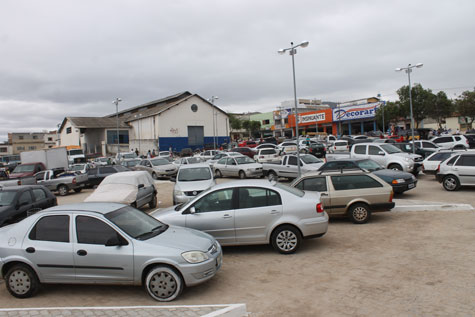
{"points": [[355, 194]]}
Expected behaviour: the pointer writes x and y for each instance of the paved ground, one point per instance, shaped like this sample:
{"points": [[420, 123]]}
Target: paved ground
{"points": [[399, 264]]}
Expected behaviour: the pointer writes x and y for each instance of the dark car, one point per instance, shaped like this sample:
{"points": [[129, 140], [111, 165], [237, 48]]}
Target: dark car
{"points": [[270, 140], [244, 151], [17, 202], [399, 180], [186, 152], [317, 149], [471, 140], [407, 147], [96, 175], [3, 175]]}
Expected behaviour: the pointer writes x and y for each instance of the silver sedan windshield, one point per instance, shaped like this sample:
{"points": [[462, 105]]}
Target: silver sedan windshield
{"points": [[194, 174], [244, 160], [158, 162], [136, 223]]}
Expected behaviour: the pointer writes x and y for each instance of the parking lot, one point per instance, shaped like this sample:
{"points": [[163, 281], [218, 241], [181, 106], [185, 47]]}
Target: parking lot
{"points": [[401, 263]]}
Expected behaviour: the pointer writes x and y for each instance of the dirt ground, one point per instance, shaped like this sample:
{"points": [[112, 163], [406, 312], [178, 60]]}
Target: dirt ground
{"points": [[399, 264]]}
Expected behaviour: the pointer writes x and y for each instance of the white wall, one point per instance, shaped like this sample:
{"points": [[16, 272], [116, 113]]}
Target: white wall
{"points": [[175, 121], [71, 138], [450, 123]]}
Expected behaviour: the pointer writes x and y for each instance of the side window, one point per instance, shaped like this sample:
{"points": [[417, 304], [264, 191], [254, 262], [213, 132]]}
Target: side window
{"points": [[106, 170], [222, 161], [231, 161], [257, 197], [93, 231], [452, 160], [318, 184], [215, 201], [51, 228], [466, 160], [428, 145], [292, 160], [92, 171], [360, 149], [40, 176], [39, 194], [457, 138], [374, 150], [25, 198], [346, 182]]}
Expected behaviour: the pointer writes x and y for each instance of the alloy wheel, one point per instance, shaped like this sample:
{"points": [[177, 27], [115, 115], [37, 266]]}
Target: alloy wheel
{"points": [[286, 240]]}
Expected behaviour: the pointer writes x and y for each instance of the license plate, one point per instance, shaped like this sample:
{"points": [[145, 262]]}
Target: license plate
{"points": [[411, 186]]}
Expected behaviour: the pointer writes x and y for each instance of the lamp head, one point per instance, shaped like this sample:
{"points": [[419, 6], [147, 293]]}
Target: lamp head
{"points": [[398, 69], [419, 65], [281, 51], [304, 44]]}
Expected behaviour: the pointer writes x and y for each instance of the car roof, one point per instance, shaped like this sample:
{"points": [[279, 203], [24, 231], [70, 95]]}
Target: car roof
{"points": [[196, 165], [244, 183], [336, 172], [21, 187], [126, 174], [97, 207]]}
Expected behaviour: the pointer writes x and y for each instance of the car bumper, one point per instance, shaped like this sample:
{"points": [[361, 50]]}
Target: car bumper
{"points": [[258, 173], [382, 207], [430, 172], [399, 188], [439, 177], [194, 274], [165, 173], [313, 227]]}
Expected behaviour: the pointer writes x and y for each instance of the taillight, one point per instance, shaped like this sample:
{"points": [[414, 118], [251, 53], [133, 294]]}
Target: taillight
{"points": [[438, 168], [74, 181], [391, 197], [261, 156], [335, 147], [18, 182], [319, 208]]}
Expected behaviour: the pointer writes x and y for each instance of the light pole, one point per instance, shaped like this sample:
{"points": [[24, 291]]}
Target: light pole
{"points": [[116, 102], [292, 51], [408, 70], [139, 116], [382, 109], [212, 99]]}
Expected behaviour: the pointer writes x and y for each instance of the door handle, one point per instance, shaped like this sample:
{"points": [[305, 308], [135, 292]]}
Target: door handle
{"points": [[30, 250], [81, 252], [323, 194], [274, 212], [456, 169], [227, 216]]}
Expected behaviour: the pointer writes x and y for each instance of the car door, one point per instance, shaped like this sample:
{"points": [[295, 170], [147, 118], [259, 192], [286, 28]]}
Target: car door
{"points": [[465, 168], [291, 168], [214, 214], [232, 168], [144, 195], [258, 209], [48, 246], [41, 200], [318, 184], [94, 261], [359, 151], [25, 204], [377, 154]]}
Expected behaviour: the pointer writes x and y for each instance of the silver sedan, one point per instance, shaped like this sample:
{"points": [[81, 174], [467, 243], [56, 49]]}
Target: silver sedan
{"points": [[157, 167], [240, 166], [253, 212], [104, 243]]}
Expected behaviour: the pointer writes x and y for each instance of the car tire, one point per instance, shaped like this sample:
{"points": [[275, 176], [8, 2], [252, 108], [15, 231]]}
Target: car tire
{"points": [[242, 175], [359, 213], [63, 190], [77, 190], [286, 239], [395, 167], [153, 203], [218, 174], [272, 176], [163, 283], [21, 281], [154, 176], [451, 183]]}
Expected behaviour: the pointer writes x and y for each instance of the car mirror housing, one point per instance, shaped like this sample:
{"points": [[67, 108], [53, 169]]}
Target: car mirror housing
{"points": [[112, 242], [192, 210], [381, 153], [141, 185]]}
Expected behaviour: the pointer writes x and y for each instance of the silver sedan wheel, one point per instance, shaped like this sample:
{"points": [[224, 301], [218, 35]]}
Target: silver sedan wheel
{"points": [[360, 213], [450, 183], [164, 284], [286, 240], [19, 282]]}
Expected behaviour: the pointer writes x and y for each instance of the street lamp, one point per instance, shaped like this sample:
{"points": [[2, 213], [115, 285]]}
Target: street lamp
{"points": [[292, 51], [212, 99], [116, 102], [408, 70], [139, 116]]}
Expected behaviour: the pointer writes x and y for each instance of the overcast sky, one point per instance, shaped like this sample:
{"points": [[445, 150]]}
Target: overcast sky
{"points": [[72, 58]]}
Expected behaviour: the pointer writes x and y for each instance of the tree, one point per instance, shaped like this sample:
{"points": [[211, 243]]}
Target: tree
{"points": [[235, 123], [255, 126], [442, 108], [246, 125], [422, 99], [466, 106], [391, 113], [251, 126]]}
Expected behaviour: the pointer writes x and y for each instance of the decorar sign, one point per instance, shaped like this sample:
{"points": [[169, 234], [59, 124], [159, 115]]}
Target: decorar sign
{"points": [[174, 130]]}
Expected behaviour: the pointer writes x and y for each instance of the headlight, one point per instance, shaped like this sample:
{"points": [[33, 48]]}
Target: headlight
{"points": [[194, 256], [398, 181], [178, 192]]}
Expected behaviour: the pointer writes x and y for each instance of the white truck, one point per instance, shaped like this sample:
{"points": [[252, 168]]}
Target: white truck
{"points": [[385, 154], [54, 158], [287, 166], [62, 182]]}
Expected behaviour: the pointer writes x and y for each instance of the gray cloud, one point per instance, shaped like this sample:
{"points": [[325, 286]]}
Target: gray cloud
{"points": [[71, 58]]}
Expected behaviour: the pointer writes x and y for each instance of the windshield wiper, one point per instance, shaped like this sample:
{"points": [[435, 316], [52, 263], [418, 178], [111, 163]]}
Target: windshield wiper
{"points": [[154, 232]]}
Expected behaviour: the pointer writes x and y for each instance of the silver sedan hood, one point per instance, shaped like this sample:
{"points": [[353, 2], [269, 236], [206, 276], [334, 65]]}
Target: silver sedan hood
{"points": [[165, 167], [183, 239], [195, 185]]}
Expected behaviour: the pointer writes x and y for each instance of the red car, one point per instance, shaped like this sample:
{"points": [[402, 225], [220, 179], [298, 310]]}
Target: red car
{"points": [[27, 169], [250, 144], [244, 151], [397, 138]]}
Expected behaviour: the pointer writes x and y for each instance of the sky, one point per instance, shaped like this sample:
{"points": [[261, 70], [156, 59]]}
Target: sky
{"points": [[73, 58]]}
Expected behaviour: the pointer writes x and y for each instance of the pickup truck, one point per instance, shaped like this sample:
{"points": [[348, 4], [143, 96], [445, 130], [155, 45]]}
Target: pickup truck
{"points": [[5, 180], [57, 180], [385, 154], [287, 166]]}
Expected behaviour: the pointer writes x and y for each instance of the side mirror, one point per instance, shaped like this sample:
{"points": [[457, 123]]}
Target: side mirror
{"points": [[381, 153], [141, 186], [192, 210], [112, 242]]}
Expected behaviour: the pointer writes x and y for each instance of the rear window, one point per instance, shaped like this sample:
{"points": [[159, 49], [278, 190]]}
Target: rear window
{"points": [[440, 157], [346, 182], [344, 143], [268, 152], [292, 190]]}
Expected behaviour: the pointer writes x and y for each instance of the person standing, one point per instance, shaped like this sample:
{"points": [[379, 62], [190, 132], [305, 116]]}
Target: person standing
{"points": [[137, 152], [149, 154]]}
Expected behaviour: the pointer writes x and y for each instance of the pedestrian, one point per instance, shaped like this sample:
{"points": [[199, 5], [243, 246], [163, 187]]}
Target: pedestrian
{"points": [[137, 152], [149, 154], [153, 153]]}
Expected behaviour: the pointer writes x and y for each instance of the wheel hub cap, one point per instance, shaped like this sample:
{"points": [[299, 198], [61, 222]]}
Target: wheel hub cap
{"points": [[360, 213], [286, 240], [162, 285], [19, 282], [450, 183]]}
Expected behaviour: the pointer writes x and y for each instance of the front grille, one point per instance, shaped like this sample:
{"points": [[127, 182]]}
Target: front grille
{"points": [[258, 169], [418, 159], [193, 193], [169, 170]]}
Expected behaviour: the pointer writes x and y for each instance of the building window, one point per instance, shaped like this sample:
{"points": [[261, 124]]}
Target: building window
{"points": [[35, 137], [112, 136], [286, 120], [265, 121], [50, 139], [3, 149], [20, 148], [32, 148], [68, 130], [20, 137]]}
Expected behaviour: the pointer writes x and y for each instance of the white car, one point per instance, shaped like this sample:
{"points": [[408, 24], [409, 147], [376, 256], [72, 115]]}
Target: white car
{"points": [[287, 147], [431, 163], [207, 155], [190, 181], [241, 166], [266, 146], [188, 160], [339, 146], [450, 142], [267, 155], [219, 156]]}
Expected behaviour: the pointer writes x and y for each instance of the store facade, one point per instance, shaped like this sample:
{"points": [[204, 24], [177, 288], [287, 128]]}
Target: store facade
{"points": [[355, 119], [313, 122]]}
